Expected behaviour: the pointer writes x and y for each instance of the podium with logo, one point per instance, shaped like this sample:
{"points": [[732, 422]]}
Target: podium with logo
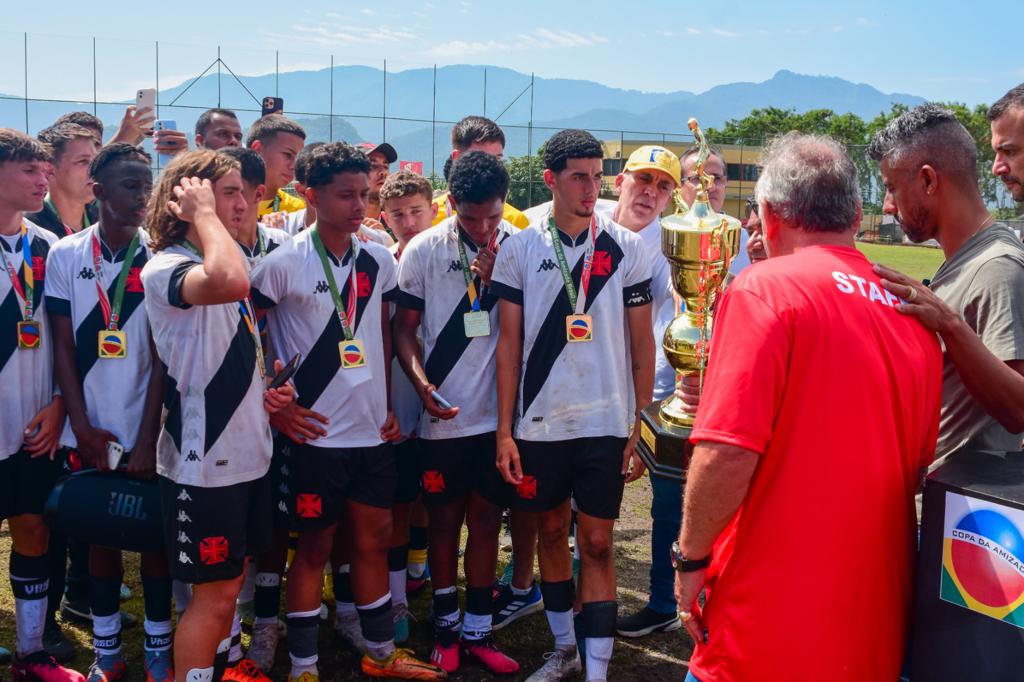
{"points": [[968, 621]]}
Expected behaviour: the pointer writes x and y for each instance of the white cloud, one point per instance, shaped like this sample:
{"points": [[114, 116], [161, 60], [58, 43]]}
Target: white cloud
{"points": [[666, 34], [864, 21], [693, 31], [540, 39], [366, 11], [462, 48], [837, 29], [350, 35], [722, 33]]}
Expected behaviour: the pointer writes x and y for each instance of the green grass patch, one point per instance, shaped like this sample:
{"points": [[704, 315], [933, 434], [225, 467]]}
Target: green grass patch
{"points": [[919, 262]]}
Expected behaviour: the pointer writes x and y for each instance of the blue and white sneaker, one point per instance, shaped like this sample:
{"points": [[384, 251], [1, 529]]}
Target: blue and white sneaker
{"points": [[509, 607]]}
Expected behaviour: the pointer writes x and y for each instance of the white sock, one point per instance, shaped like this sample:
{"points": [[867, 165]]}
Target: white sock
{"points": [[521, 592], [599, 652], [476, 626], [199, 674], [302, 665], [345, 606], [160, 631], [380, 650], [235, 652], [416, 569], [396, 581], [560, 623], [106, 632]]}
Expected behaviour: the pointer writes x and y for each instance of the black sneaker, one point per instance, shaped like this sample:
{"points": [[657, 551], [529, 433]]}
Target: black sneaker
{"points": [[56, 644], [509, 607], [645, 621]]}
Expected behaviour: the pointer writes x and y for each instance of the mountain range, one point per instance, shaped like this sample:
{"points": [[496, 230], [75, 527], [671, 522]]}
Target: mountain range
{"points": [[358, 94]]}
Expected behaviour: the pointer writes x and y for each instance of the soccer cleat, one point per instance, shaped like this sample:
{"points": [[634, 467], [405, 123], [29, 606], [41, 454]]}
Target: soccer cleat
{"points": [[400, 614], [107, 669], [446, 657], [41, 667], [488, 654], [125, 593], [159, 666], [509, 607], [645, 621], [347, 626], [244, 671], [307, 676], [263, 646], [402, 665], [75, 611], [560, 663]]}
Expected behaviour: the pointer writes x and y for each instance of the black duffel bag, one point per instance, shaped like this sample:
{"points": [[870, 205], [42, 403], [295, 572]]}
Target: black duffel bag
{"points": [[108, 509]]}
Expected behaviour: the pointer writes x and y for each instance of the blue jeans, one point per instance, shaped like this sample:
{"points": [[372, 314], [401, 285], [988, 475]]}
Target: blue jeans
{"points": [[667, 515]]}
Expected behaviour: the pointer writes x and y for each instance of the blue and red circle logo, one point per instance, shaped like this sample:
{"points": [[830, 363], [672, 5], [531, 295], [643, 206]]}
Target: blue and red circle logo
{"points": [[352, 353], [113, 345], [579, 329]]}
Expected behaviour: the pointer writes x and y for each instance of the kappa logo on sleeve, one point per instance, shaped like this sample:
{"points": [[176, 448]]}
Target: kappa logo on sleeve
{"points": [[308, 506], [213, 550]]}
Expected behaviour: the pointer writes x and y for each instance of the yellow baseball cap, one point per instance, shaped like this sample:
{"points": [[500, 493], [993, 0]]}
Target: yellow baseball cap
{"points": [[653, 157]]}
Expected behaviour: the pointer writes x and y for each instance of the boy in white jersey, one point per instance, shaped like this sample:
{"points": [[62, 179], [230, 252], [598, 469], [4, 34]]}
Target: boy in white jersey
{"points": [[572, 288], [446, 296], [111, 385], [326, 297], [256, 241], [32, 412], [214, 448]]}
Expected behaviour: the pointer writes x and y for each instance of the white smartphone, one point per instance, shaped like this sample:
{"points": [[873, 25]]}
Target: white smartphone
{"points": [[164, 124], [146, 97], [440, 401], [114, 453]]}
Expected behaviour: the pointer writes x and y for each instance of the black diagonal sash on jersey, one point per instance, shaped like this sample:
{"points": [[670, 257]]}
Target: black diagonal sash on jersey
{"points": [[10, 316], [322, 361], [550, 339], [229, 386], [172, 403], [87, 334], [452, 342]]}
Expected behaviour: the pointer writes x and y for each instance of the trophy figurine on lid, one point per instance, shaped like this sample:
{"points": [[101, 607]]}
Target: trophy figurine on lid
{"points": [[699, 244]]}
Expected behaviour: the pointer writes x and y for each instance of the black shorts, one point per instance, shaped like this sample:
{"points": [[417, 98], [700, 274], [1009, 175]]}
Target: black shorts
{"points": [[407, 460], [26, 482], [587, 469], [323, 479], [452, 467], [210, 531], [279, 490]]}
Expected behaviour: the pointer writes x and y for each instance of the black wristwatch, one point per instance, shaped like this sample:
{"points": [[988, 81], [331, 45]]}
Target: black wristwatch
{"points": [[684, 565]]}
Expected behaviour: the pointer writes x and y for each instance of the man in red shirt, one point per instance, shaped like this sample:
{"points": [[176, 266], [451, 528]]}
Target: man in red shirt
{"points": [[820, 411]]}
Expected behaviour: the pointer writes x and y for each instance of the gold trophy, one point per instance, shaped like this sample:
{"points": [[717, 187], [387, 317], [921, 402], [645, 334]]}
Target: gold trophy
{"points": [[699, 244]]}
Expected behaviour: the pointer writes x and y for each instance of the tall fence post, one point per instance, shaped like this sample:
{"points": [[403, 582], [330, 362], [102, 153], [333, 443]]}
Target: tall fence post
{"points": [[26, 83], [330, 119], [94, 76], [529, 149], [433, 129], [384, 115]]}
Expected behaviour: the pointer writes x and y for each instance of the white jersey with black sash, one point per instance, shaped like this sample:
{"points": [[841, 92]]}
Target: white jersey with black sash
{"points": [[433, 277], [101, 293], [267, 239], [217, 432], [26, 346], [333, 318], [405, 402], [575, 380]]}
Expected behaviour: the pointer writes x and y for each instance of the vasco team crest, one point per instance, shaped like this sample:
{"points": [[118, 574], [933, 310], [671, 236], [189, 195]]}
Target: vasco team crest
{"points": [[983, 558]]}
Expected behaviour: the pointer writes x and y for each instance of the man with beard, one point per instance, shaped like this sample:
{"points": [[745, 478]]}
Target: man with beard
{"points": [[1007, 119], [975, 301]]}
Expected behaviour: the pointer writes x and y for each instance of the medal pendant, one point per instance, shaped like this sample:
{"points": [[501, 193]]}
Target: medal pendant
{"points": [[352, 354], [579, 328], [476, 323], [30, 335], [112, 345]]}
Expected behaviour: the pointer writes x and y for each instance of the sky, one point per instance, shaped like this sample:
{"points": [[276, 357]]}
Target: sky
{"points": [[936, 49]]}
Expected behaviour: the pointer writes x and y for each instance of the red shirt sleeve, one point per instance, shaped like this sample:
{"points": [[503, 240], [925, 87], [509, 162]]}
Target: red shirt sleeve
{"points": [[746, 375]]}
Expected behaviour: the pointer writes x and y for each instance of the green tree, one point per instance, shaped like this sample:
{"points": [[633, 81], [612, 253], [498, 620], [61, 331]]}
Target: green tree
{"points": [[523, 172]]}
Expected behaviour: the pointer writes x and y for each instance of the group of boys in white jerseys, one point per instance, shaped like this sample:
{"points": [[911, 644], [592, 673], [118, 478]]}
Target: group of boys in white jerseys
{"points": [[475, 364]]}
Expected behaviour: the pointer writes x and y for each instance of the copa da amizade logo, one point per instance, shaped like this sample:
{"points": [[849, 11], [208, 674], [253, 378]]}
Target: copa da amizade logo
{"points": [[983, 558]]}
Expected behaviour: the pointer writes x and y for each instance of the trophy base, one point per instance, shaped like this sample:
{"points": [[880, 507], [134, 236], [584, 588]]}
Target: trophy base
{"points": [[664, 447]]}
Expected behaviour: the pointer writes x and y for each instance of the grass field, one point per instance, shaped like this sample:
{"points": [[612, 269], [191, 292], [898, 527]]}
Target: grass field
{"points": [[659, 657], [919, 262]]}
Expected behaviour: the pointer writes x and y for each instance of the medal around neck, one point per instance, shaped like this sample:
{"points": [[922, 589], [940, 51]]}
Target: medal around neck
{"points": [[112, 344], [476, 323], [353, 354], [579, 328], [30, 335]]}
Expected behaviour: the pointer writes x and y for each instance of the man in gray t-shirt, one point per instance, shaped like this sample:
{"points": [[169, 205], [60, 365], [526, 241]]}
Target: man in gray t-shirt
{"points": [[975, 302]]}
